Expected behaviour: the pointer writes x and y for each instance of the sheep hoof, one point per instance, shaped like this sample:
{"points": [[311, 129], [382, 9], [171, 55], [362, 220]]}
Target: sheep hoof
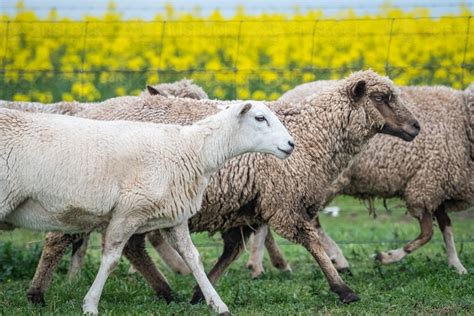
{"points": [[257, 271], [286, 269], [391, 256], [197, 296], [168, 299], [173, 298], [348, 297], [166, 295], [36, 298], [225, 314], [257, 274], [461, 270], [379, 256], [347, 271]]}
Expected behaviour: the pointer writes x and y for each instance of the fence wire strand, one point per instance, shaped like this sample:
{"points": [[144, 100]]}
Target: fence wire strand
{"points": [[95, 33]]}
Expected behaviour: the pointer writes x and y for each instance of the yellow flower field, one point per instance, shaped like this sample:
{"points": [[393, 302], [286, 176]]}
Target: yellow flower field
{"points": [[255, 56]]}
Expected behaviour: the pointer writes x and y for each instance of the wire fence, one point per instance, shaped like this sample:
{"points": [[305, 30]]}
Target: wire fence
{"points": [[236, 58]]}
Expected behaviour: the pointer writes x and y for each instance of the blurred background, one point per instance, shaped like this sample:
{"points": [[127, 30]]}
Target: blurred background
{"points": [[92, 50]]}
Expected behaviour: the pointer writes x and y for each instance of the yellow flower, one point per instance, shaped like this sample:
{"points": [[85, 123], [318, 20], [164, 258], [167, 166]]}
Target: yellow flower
{"points": [[263, 54], [66, 96], [85, 92], [21, 97], [44, 97], [120, 91], [219, 93], [259, 95]]}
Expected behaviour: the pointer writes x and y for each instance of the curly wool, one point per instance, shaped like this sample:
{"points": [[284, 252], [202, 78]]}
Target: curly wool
{"points": [[156, 109], [435, 168], [329, 131], [65, 108], [469, 95]]}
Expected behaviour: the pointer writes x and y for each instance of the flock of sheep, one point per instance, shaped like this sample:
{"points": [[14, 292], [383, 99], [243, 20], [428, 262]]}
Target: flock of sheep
{"points": [[190, 164]]}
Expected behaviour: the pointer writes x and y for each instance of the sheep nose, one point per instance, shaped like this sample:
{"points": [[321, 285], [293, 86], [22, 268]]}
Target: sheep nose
{"points": [[416, 125], [291, 143]]}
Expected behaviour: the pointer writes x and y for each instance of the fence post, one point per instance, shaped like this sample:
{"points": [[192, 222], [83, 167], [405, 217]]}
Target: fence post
{"points": [[236, 60], [387, 57], [5, 54], [83, 57], [466, 45]]}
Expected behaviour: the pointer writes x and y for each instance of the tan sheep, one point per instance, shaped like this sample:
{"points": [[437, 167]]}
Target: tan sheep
{"points": [[433, 174], [183, 88]]}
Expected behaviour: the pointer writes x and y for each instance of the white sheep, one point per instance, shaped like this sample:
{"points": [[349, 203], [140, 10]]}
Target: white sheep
{"points": [[126, 177], [184, 88]]}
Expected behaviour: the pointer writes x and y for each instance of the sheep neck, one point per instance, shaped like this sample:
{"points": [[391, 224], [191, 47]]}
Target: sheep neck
{"points": [[211, 139], [327, 140], [327, 135]]}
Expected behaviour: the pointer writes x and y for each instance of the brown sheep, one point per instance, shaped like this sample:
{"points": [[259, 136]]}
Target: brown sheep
{"points": [[433, 174]]}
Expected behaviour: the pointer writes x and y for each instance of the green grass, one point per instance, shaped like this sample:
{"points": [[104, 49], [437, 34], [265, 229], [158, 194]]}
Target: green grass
{"points": [[421, 284]]}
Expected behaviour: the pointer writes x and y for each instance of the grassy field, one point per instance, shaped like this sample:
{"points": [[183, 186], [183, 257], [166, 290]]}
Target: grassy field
{"points": [[422, 284]]}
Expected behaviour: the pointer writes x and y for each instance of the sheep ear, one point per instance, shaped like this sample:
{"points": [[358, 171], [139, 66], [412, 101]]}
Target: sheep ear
{"points": [[244, 109], [357, 90], [151, 90]]}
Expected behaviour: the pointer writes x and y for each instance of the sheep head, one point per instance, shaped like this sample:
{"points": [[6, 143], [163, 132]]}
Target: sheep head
{"points": [[184, 88], [259, 130], [381, 101]]}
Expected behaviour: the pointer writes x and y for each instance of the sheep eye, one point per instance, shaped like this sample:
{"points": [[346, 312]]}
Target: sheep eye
{"points": [[260, 118], [378, 98]]}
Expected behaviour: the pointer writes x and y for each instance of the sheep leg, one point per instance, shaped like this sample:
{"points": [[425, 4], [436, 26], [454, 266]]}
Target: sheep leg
{"points": [[180, 239], [234, 240], [167, 253], [136, 253], [257, 248], [118, 232], [446, 228], [79, 248], [276, 256], [264, 238], [426, 226], [54, 248], [307, 235], [329, 245], [332, 249]]}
